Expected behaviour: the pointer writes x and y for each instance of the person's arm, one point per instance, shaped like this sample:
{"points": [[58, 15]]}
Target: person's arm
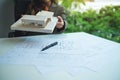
{"points": [[62, 23]]}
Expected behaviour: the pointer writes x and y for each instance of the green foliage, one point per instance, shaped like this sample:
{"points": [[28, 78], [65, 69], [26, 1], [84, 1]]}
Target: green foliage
{"points": [[105, 24]]}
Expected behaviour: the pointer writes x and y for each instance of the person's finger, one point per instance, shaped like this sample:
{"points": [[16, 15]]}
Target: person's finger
{"points": [[60, 19]]}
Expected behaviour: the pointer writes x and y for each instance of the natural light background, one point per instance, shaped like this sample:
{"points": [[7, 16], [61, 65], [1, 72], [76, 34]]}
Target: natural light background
{"points": [[95, 4]]}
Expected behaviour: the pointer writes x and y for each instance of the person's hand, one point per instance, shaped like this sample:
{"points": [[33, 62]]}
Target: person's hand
{"points": [[60, 23]]}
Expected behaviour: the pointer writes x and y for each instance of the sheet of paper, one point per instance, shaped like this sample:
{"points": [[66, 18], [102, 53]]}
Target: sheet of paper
{"points": [[7, 44], [29, 52], [58, 75], [19, 72], [75, 53]]}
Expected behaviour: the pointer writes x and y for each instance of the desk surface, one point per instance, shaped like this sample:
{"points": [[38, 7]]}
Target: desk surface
{"points": [[78, 56]]}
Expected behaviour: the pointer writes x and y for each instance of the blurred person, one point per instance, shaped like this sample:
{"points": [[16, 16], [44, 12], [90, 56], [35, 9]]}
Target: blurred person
{"points": [[48, 5]]}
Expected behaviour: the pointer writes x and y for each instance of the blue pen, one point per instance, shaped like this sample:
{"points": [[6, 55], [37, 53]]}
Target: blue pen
{"points": [[49, 46]]}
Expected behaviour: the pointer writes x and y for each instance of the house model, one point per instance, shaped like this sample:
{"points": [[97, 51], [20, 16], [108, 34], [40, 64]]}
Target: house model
{"points": [[41, 19], [43, 22]]}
